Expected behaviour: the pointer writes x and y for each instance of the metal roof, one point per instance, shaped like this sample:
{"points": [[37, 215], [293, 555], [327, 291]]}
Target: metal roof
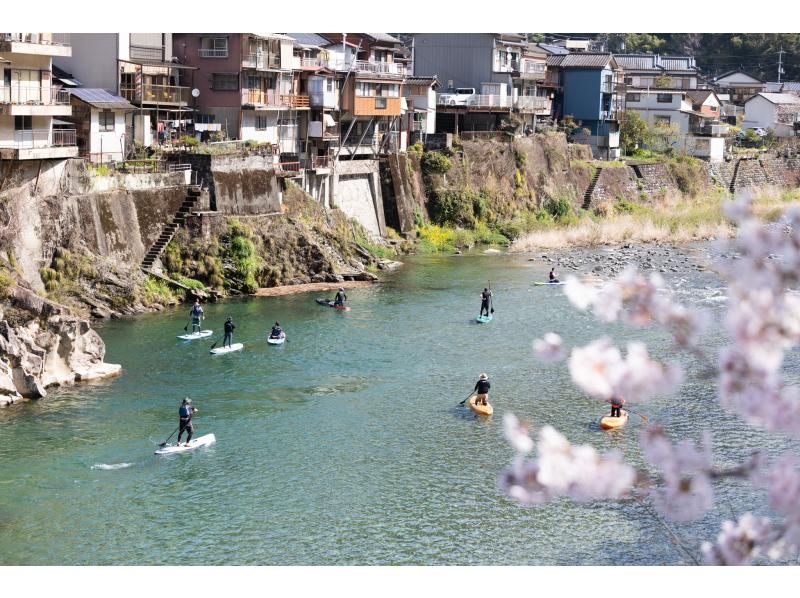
{"points": [[778, 98], [550, 48], [273, 35], [584, 60], [309, 39], [384, 37], [775, 87], [100, 98]]}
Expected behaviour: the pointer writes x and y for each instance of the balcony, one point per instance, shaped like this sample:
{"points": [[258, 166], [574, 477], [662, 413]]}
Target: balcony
{"points": [[148, 93], [606, 87], [533, 104], [484, 102], [258, 97], [319, 162], [551, 79], [295, 101], [34, 100], [378, 68], [533, 71], [316, 130], [323, 99], [709, 129], [212, 52], [33, 144], [313, 63], [509, 66], [43, 44]]}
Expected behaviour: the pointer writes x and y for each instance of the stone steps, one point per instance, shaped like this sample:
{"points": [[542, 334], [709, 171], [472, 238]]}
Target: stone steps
{"points": [[192, 195], [587, 196]]}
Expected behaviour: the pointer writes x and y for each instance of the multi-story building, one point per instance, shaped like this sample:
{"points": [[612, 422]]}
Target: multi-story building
{"points": [[30, 101], [371, 68], [497, 67], [141, 68], [777, 111], [245, 83], [591, 89], [648, 71], [531, 95], [691, 117], [737, 86]]}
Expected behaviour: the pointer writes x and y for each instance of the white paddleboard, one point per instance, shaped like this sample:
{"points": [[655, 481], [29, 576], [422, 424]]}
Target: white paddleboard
{"points": [[548, 284], [276, 341], [194, 335], [220, 350], [195, 443]]}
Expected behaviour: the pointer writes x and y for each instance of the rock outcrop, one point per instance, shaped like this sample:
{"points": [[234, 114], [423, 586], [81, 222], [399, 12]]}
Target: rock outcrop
{"points": [[43, 345]]}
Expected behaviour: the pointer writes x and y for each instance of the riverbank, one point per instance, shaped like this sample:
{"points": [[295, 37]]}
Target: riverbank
{"points": [[294, 289]]}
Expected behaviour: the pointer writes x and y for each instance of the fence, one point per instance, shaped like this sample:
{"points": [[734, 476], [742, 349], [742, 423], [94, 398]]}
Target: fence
{"points": [[33, 95], [484, 135], [31, 138], [47, 39], [320, 161]]}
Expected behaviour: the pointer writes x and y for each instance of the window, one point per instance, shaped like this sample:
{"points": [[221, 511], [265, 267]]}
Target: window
{"points": [[633, 97], [23, 123], [329, 84], [261, 123], [225, 81], [106, 120], [664, 98], [628, 80], [363, 88], [662, 121], [380, 102], [213, 47]]}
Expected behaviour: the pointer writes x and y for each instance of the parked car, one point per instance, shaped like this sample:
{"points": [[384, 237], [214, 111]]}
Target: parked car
{"points": [[457, 97]]}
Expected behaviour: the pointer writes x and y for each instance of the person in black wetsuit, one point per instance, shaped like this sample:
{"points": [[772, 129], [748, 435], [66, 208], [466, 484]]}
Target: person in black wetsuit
{"points": [[197, 315], [340, 298], [276, 330], [553, 275], [482, 387], [616, 406], [185, 413], [226, 341], [486, 299]]}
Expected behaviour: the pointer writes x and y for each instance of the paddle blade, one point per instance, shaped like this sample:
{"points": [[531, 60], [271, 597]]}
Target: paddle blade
{"points": [[492, 310], [186, 328]]}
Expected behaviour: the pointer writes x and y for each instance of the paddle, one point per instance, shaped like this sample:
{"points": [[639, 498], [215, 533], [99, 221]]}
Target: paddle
{"points": [[468, 396], [491, 299], [215, 343], [170, 436], [186, 328], [629, 410]]}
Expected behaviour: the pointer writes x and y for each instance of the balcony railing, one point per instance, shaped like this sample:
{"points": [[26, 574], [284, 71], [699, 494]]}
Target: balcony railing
{"points": [[32, 138], [33, 95], [262, 98], [381, 68], [532, 103], [254, 61], [156, 94], [313, 63], [295, 101], [212, 52], [489, 101], [606, 87], [48, 39], [320, 162]]}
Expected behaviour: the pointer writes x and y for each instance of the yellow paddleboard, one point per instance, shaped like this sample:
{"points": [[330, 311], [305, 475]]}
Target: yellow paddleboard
{"points": [[480, 409], [609, 423]]}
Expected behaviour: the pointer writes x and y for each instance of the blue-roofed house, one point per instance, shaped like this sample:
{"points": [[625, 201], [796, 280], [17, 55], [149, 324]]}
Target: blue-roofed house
{"points": [[99, 119], [592, 96]]}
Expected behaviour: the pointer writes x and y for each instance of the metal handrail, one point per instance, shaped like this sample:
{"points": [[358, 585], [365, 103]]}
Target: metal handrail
{"points": [[212, 53], [46, 39], [30, 138], [33, 95]]}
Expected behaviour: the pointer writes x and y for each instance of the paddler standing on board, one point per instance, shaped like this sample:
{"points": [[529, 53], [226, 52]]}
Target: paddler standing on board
{"points": [[340, 298], [486, 299], [616, 405], [226, 341], [185, 412], [197, 315], [482, 387]]}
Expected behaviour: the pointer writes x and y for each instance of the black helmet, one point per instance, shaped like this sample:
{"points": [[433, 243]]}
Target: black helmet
{"points": [[277, 323]]}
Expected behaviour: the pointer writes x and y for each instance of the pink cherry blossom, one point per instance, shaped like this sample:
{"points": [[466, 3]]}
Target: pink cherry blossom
{"points": [[550, 348], [516, 432], [738, 543], [580, 295], [596, 368]]}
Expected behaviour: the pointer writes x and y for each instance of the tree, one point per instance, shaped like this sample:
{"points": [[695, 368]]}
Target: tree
{"points": [[663, 81], [680, 479], [665, 136], [633, 131]]}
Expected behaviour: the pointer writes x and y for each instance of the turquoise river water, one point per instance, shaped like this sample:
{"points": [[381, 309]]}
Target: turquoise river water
{"points": [[346, 445]]}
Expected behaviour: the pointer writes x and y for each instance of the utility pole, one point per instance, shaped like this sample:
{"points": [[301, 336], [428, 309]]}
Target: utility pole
{"points": [[780, 67]]}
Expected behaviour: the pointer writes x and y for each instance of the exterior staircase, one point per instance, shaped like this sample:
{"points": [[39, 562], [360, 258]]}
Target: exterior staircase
{"points": [[587, 196], [637, 171], [170, 229], [732, 187]]}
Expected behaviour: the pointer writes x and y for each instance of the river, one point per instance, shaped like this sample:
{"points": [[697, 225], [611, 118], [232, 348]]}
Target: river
{"points": [[346, 445]]}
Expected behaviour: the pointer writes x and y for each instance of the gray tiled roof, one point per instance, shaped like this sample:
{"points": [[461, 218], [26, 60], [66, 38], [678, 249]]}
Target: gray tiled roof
{"points": [[384, 37], [309, 39], [554, 49], [655, 62], [698, 96], [775, 87], [583, 60]]}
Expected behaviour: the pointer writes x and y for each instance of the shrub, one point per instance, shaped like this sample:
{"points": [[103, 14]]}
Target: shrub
{"points": [[189, 140], [6, 281], [435, 162], [558, 207], [417, 148]]}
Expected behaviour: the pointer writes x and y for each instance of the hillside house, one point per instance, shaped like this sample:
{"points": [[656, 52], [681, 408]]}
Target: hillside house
{"points": [[777, 111], [99, 120]]}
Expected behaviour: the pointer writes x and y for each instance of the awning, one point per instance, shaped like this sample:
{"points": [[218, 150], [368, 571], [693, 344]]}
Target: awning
{"points": [[70, 82], [329, 122], [58, 121]]}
